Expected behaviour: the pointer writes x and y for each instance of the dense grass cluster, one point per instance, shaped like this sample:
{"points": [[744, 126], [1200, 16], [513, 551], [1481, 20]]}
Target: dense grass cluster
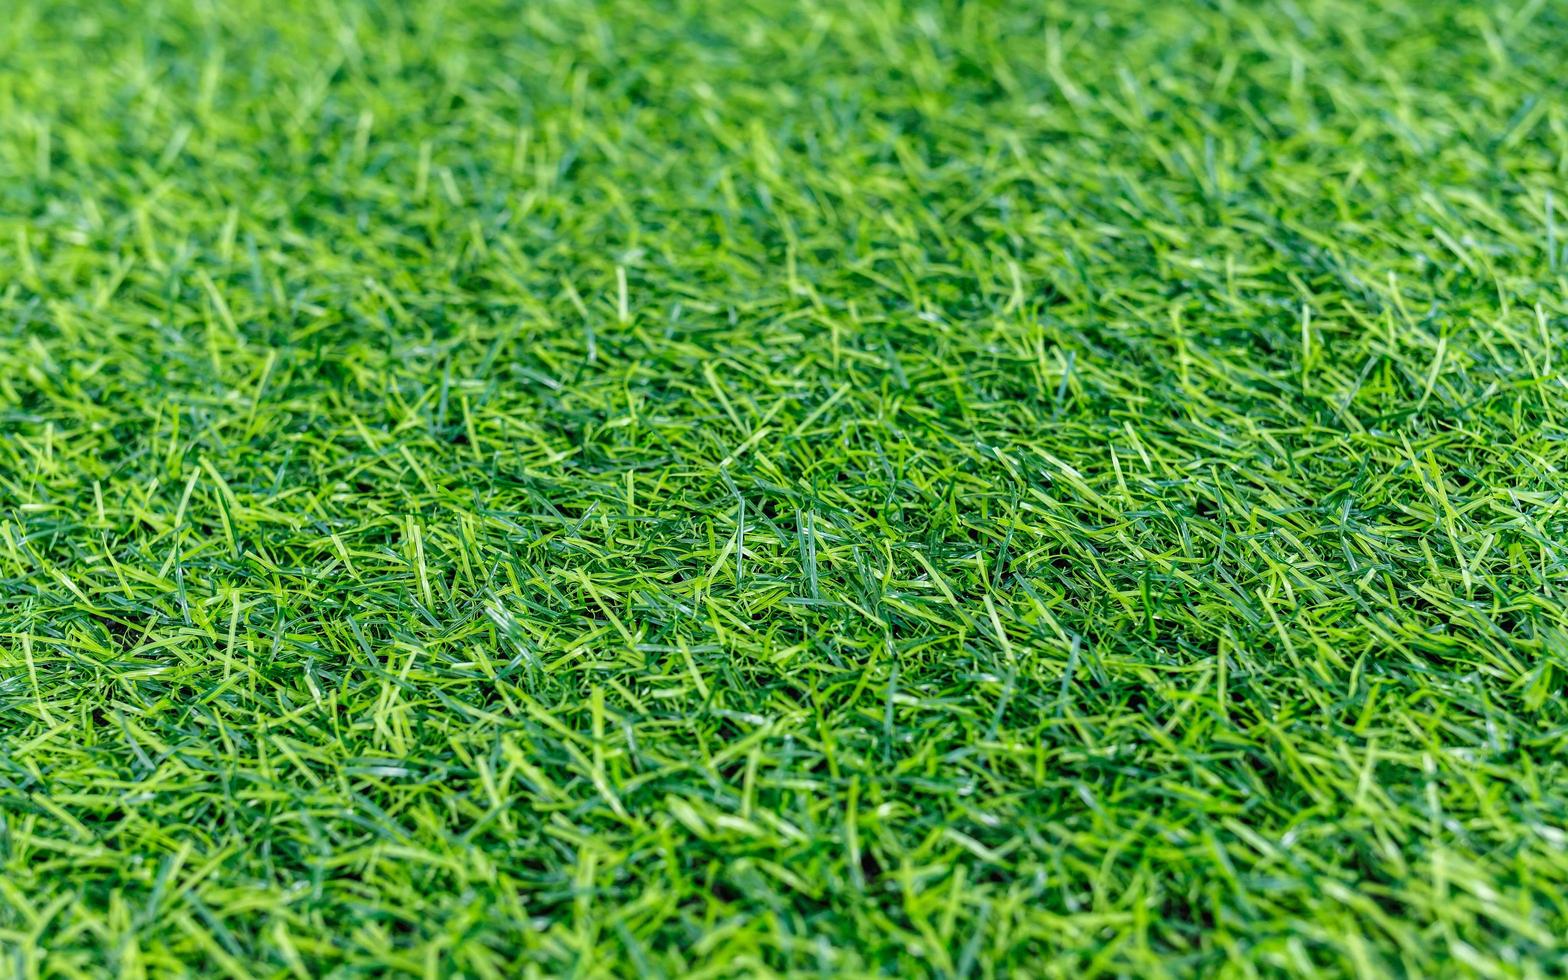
{"points": [[683, 488]]}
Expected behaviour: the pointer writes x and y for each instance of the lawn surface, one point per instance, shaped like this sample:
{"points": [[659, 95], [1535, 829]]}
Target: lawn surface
{"points": [[709, 489]]}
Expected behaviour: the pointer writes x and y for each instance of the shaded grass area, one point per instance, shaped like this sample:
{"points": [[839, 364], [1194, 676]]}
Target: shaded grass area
{"points": [[695, 489]]}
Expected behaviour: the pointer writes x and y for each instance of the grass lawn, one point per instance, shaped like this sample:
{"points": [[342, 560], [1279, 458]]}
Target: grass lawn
{"points": [[609, 487]]}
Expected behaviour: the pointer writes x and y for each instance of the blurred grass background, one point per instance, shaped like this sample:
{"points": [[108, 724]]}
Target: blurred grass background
{"points": [[609, 488]]}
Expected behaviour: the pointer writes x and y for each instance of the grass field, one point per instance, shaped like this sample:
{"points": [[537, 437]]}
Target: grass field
{"points": [[621, 488]]}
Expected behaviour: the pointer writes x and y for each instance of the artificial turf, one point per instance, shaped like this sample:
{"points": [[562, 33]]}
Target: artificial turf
{"points": [[873, 487]]}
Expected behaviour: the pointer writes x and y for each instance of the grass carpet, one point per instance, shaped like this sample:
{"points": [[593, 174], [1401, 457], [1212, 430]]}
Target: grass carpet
{"points": [[978, 489]]}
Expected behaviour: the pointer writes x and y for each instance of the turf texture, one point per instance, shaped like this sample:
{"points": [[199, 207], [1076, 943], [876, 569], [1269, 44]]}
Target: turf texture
{"points": [[878, 487]]}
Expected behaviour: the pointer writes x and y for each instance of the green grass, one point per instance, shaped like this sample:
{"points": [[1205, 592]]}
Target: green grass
{"points": [[976, 489]]}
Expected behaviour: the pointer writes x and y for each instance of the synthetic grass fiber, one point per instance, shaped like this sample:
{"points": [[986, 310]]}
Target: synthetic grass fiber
{"points": [[872, 487]]}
